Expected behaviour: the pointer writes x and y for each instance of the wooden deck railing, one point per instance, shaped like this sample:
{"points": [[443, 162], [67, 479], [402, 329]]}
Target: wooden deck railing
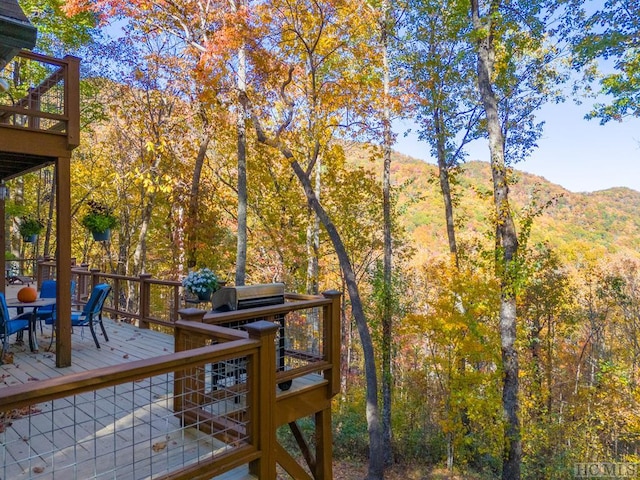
{"points": [[141, 300], [46, 107], [48, 402], [217, 364]]}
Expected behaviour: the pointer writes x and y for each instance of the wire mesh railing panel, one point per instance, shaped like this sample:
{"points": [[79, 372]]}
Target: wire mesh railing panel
{"points": [[35, 95], [163, 303], [303, 337], [215, 401], [134, 430]]}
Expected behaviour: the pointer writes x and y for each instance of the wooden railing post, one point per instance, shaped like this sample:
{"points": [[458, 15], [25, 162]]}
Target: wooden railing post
{"points": [[95, 277], [145, 300], [43, 270], [188, 387], [331, 340], [176, 303], [191, 315], [40, 272], [72, 100], [263, 399]]}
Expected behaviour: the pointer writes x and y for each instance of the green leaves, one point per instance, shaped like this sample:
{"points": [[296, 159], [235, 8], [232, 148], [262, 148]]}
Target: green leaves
{"points": [[57, 32], [611, 33]]}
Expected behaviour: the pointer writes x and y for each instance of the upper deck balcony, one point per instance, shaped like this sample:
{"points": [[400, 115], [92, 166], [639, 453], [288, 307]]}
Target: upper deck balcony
{"points": [[39, 112]]}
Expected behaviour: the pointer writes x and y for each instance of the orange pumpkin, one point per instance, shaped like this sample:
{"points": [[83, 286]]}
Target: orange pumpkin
{"points": [[27, 294]]}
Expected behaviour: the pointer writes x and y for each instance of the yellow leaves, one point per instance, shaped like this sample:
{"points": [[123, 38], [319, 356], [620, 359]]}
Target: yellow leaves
{"points": [[156, 148], [150, 182]]}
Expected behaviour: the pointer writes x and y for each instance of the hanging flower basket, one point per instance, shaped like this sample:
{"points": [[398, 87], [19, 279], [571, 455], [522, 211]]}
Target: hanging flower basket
{"points": [[29, 228], [101, 236], [99, 220]]}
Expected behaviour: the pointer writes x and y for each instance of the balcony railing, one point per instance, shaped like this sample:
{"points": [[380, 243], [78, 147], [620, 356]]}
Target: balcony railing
{"points": [[144, 419], [39, 97]]}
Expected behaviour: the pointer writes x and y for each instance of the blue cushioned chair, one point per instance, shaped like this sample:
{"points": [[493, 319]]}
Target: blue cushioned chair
{"points": [[8, 325], [48, 290], [91, 313]]}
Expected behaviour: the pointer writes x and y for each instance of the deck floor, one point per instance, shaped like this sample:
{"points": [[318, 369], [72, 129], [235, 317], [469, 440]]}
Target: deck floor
{"points": [[83, 442], [126, 344]]}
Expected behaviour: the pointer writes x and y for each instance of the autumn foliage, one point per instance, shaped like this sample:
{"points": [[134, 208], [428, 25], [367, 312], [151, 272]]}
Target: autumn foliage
{"points": [[161, 109]]}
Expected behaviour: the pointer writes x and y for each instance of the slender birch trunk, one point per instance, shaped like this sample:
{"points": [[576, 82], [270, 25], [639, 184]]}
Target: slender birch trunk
{"points": [[506, 239]]}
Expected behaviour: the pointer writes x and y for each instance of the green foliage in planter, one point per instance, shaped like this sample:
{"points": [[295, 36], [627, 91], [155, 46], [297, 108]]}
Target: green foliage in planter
{"points": [[30, 226], [99, 218]]}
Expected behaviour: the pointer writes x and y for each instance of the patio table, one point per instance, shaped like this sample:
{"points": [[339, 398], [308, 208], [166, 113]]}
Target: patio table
{"points": [[20, 306]]}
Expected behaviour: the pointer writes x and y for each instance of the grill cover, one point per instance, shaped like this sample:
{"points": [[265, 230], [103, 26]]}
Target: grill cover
{"points": [[247, 296]]}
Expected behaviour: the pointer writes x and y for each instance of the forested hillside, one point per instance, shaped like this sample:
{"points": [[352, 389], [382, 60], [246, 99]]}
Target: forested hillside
{"points": [[606, 220]]}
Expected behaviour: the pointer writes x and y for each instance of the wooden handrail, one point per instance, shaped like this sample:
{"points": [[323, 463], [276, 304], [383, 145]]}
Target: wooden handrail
{"points": [[267, 311], [42, 58], [31, 393], [257, 351]]}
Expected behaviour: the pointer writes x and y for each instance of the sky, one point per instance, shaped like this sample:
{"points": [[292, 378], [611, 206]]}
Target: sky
{"points": [[577, 154]]}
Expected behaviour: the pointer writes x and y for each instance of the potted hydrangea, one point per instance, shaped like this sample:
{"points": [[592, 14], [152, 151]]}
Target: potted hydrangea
{"points": [[201, 283]]}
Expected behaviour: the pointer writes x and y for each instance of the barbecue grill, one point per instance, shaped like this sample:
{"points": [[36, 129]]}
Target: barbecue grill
{"points": [[253, 296], [247, 296]]}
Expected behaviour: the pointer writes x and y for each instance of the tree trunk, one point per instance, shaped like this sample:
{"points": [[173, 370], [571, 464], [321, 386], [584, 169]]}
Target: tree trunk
{"points": [[445, 186], [313, 237], [387, 304], [192, 249], [345, 351], [46, 249], [148, 204], [241, 247], [506, 240], [376, 454]]}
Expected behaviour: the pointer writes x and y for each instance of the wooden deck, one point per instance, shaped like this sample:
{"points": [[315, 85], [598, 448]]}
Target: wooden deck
{"points": [[131, 430], [126, 344]]}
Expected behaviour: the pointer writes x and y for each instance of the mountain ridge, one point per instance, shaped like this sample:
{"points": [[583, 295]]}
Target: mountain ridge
{"points": [[600, 222]]}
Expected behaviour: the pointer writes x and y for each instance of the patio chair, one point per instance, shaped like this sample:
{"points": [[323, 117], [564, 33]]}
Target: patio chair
{"points": [[8, 325], [48, 290], [91, 313]]}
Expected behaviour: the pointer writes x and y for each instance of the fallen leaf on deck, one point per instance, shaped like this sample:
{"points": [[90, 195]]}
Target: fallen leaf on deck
{"points": [[32, 379], [159, 446], [38, 469], [126, 355]]}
